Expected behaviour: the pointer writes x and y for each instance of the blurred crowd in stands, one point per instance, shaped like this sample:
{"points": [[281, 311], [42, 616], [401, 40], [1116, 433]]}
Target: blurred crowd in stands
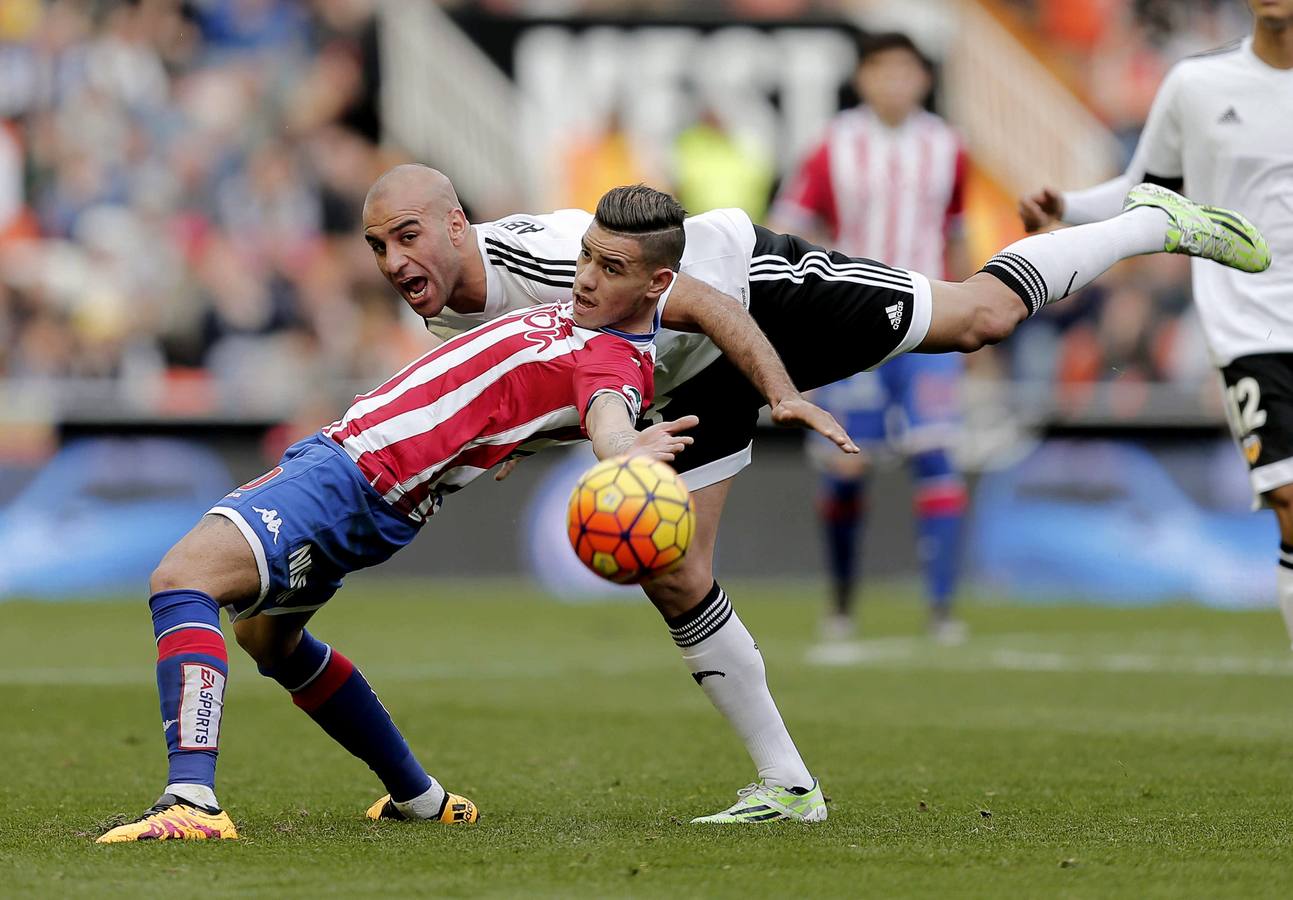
{"points": [[180, 190], [1117, 51], [181, 182]]}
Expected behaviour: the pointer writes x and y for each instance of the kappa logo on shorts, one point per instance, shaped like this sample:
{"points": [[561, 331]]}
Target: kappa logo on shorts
{"points": [[895, 315], [298, 566], [272, 522]]}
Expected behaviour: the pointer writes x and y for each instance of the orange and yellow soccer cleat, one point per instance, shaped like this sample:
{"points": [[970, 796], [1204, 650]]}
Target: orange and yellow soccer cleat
{"points": [[455, 811], [172, 819]]}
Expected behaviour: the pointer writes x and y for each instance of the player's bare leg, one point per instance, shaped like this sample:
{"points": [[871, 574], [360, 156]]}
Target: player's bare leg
{"points": [[679, 592], [971, 314], [726, 663], [1281, 500], [1044, 268]]}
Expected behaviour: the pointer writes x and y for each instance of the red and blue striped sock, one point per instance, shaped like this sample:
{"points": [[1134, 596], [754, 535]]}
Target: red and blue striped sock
{"points": [[192, 667], [842, 510], [336, 695], [940, 508]]}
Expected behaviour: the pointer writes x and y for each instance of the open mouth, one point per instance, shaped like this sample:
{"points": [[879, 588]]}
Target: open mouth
{"points": [[584, 304], [415, 288]]}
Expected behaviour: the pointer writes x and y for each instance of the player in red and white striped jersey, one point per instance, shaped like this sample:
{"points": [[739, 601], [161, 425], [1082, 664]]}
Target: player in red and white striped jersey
{"points": [[495, 391], [888, 182]]}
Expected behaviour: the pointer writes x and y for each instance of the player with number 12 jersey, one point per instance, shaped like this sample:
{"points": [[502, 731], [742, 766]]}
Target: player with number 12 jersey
{"points": [[1221, 130]]}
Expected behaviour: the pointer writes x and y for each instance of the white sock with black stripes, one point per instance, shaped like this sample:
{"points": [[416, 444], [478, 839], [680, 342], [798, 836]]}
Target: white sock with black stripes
{"points": [[1048, 267], [1284, 587], [727, 664]]}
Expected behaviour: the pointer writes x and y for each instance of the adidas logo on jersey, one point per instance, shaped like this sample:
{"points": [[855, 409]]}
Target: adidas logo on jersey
{"points": [[298, 566], [895, 315], [1229, 117]]}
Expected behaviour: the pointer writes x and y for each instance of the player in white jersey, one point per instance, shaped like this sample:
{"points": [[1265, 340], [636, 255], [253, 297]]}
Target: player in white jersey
{"points": [[827, 315], [888, 181], [275, 550], [1221, 127]]}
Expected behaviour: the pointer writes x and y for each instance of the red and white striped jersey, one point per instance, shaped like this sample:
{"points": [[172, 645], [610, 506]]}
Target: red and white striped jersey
{"points": [[522, 382], [889, 194]]}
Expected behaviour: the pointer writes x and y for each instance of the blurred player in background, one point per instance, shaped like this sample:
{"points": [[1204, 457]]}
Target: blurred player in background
{"points": [[888, 182], [276, 549], [827, 315], [1221, 129]]}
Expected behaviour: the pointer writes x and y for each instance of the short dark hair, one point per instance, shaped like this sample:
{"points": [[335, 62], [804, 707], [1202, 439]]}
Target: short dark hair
{"points": [[653, 217], [873, 44]]}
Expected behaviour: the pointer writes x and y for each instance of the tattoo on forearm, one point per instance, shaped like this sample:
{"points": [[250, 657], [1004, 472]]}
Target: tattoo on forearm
{"points": [[615, 437], [621, 442]]}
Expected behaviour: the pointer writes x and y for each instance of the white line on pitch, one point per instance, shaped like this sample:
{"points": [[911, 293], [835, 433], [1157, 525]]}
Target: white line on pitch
{"points": [[901, 654], [915, 653]]}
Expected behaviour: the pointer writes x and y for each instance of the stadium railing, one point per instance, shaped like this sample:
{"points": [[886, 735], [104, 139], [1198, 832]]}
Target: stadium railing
{"points": [[1020, 121], [445, 102]]}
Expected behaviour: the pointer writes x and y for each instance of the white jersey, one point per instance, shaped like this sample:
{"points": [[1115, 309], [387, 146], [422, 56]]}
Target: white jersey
{"points": [[1224, 123], [530, 260]]}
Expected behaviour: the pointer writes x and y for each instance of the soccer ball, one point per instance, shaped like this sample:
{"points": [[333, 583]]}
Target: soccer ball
{"points": [[630, 519]]}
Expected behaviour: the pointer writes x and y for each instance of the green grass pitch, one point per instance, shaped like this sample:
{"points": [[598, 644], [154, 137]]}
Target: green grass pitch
{"points": [[1063, 752]]}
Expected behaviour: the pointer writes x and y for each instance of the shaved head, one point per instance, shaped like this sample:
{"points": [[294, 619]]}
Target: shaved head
{"points": [[420, 237], [413, 184]]}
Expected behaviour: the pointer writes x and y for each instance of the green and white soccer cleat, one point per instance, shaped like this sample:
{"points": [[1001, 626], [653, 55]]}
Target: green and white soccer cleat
{"points": [[770, 803], [1208, 232]]}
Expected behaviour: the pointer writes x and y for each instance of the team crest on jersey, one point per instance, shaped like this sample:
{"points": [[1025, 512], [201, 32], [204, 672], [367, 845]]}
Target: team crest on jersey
{"points": [[634, 396], [546, 328], [1252, 449]]}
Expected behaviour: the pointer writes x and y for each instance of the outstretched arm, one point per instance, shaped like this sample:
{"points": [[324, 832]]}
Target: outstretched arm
{"points": [[695, 306], [610, 427]]}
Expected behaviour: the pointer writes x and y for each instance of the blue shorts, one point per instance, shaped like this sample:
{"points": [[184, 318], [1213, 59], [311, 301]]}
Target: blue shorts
{"points": [[311, 520], [912, 402]]}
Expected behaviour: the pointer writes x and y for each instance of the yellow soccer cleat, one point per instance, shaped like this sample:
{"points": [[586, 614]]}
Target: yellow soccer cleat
{"points": [[173, 819], [456, 810]]}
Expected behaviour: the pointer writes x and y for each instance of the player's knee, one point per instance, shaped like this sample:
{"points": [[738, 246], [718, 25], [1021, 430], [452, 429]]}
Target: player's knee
{"points": [[994, 321], [170, 575], [1281, 498], [680, 590], [266, 645]]}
